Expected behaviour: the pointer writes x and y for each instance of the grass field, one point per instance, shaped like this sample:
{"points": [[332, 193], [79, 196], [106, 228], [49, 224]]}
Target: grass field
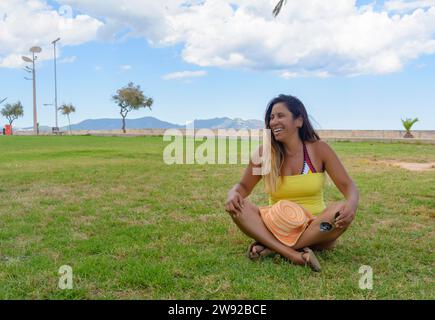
{"points": [[132, 227]]}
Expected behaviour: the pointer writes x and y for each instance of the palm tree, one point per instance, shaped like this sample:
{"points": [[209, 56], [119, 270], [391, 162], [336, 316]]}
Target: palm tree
{"points": [[278, 7], [407, 124], [66, 110], [1, 101]]}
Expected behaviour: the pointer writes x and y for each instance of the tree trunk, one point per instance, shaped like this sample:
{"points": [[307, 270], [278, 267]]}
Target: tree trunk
{"points": [[123, 124], [69, 125], [408, 135]]}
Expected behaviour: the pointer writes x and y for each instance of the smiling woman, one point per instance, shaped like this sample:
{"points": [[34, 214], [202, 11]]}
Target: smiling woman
{"points": [[295, 185]]}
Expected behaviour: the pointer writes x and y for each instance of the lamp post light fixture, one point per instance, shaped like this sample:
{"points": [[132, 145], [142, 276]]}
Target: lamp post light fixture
{"points": [[33, 50], [56, 128]]}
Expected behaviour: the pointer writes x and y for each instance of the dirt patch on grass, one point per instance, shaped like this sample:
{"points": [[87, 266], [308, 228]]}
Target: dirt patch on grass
{"points": [[79, 236], [423, 211], [384, 224], [23, 241], [180, 218], [130, 294], [136, 221], [83, 220], [411, 166]]}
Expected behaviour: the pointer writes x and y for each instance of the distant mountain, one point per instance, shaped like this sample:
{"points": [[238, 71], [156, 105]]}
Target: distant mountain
{"points": [[226, 123], [113, 124], [154, 123], [41, 129]]}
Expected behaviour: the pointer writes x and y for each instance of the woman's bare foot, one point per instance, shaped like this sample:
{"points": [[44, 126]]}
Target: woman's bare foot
{"points": [[259, 251], [310, 259]]}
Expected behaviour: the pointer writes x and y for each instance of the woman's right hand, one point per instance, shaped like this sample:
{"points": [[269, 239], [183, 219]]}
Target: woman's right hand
{"points": [[235, 203]]}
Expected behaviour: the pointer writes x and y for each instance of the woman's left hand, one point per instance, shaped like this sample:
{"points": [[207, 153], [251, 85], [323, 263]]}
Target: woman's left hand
{"points": [[347, 213]]}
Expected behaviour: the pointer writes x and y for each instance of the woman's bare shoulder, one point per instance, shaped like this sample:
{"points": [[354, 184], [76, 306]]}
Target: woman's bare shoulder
{"points": [[321, 150], [320, 146]]}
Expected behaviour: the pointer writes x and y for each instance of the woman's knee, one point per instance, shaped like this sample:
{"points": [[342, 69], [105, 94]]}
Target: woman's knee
{"points": [[330, 212], [248, 212], [334, 206]]}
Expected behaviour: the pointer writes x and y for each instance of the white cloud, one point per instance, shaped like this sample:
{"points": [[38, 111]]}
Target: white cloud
{"points": [[406, 5], [304, 74], [71, 59], [126, 67], [184, 75], [26, 23], [309, 37]]}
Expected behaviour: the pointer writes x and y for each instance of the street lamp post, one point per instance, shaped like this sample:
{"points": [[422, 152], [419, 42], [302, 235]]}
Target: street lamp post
{"points": [[55, 85], [33, 50]]}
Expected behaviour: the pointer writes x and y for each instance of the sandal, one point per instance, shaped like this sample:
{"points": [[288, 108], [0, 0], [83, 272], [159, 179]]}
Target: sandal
{"points": [[258, 255], [311, 260]]}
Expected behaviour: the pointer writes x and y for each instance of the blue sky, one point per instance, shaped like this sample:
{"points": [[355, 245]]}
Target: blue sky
{"points": [[368, 100]]}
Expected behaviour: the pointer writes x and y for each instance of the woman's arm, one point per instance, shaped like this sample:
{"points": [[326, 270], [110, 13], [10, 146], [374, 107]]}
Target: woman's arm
{"points": [[344, 183], [247, 183], [243, 188]]}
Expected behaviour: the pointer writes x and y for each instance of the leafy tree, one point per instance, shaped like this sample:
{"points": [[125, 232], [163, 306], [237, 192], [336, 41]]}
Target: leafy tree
{"points": [[66, 110], [278, 7], [131, 98], [407, 124], [12, 111]]}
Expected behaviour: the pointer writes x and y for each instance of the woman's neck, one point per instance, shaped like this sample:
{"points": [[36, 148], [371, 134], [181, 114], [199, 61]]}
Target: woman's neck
{"points": [[293, 145]]}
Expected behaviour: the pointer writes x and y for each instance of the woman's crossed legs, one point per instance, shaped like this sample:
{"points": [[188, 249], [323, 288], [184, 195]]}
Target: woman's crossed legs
{"points": [[249, 222]]}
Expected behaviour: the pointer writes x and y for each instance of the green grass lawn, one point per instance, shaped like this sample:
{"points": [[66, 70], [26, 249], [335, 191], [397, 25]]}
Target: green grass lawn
{"points": [[132, 227]]}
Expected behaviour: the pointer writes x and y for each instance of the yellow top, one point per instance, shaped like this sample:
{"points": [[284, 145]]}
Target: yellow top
{"points": [[304, 189]]}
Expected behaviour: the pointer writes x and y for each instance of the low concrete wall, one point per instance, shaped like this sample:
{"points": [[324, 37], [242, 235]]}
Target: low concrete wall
{"points": [[388, 136], [330, 135]]}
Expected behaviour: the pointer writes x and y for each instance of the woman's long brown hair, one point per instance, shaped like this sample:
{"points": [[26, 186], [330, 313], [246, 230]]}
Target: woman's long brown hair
{"points": [[277, 152]]}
